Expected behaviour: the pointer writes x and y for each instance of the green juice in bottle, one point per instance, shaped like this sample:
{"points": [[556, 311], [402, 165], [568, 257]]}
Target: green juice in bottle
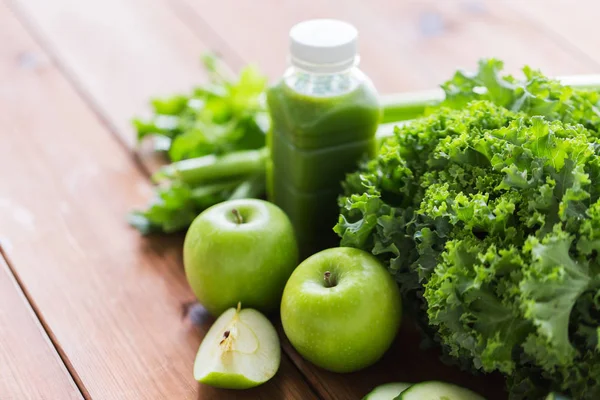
{"points": [[324, 113]]}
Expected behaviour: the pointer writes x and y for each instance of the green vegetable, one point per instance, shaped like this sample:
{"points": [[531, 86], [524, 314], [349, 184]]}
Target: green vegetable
{"points": [[226, 120], [225, 115], [174, 207], [211, 168], [409, 105], [535, 95], [216, 139], [489, 218]]}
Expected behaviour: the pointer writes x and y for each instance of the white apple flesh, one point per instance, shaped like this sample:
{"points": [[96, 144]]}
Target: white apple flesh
{"points": [[241, 350]]}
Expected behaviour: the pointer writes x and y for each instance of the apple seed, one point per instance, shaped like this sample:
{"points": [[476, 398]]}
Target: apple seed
{"points": [[225, 336]]}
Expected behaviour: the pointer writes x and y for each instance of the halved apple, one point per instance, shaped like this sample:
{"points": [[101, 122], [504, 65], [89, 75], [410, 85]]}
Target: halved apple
{"points": [[241, 350]]}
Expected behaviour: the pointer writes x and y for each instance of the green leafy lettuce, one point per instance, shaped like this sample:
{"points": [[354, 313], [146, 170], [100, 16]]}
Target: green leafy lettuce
{"points": [[487, 212]]}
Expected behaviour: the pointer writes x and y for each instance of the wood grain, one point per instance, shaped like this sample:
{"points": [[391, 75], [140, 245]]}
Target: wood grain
{"points": [[567, 22], [405, 361], [119, 54], [110, 298], [30, 367], [404, 45], [470, 30]]}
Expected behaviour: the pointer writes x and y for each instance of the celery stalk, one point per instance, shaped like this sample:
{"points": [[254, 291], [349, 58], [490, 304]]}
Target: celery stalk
{"points": [[250, 188], [586, 81], [211, 168], [410, 105], [203, 191]]}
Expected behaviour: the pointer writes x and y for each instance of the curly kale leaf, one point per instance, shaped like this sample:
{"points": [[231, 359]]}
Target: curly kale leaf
{"points": [[508, 318], [490, 222], [536, 94], [551, 285]]}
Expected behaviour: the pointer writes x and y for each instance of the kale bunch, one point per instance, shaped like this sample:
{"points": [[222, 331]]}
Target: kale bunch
{"points": [[487, 212]]}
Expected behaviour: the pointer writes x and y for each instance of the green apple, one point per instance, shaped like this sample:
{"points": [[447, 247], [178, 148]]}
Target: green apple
{"points": [[341, 309], [240, 350], [240, 251]]}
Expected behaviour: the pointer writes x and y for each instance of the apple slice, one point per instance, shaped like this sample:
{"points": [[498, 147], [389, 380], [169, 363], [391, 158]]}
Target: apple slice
{"points": [[240, 350]]}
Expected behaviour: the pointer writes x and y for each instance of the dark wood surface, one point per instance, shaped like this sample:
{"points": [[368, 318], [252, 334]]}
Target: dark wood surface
{"points": [[88, 308]]}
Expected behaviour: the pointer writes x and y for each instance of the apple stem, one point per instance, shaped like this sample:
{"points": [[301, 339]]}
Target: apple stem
{"points": [[329, 282], [238, 216]]}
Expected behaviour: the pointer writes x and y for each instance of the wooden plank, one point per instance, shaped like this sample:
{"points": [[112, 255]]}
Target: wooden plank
{"points": [[110, 298], [457, 34], [265, 43], [119, 53], [405, 45], [30, 367], [404, 362], [567, 22]]}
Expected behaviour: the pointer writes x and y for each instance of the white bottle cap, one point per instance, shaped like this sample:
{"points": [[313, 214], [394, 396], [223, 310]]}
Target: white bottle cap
{"points": [[323, 45]]}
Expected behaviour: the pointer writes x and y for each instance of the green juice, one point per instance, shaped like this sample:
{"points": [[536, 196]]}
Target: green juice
{"points": [[322, 126]]}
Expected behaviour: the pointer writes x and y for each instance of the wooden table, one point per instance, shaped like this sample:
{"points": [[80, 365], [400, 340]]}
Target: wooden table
{"points": [[88, 308]]}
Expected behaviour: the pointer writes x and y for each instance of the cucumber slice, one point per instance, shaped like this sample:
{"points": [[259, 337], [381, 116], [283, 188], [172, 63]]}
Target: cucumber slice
{"points": [[556, 396], [434, 390], [389, 391]]}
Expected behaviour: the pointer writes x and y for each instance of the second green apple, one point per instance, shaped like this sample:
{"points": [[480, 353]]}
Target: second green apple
{"points": [[341, 309]]}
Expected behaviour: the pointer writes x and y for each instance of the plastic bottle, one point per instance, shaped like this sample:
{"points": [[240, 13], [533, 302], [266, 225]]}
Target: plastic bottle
{"points": [[324, 113]]}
